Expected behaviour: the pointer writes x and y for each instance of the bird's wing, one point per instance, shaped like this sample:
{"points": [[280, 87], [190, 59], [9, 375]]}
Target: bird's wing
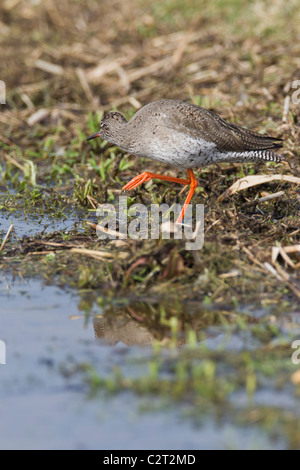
{"points": [[202, 123]]}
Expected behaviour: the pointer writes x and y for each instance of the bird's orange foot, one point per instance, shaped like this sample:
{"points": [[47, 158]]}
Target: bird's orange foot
{"points": [[193, 185], [146, 176], [137, 180]]}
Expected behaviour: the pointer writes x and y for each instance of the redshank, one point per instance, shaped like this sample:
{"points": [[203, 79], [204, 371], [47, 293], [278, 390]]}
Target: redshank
{"points": [[185, 136]]}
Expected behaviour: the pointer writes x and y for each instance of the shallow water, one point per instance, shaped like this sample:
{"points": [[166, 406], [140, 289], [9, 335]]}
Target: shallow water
{"points": [[34, 224], [36, 220], [42, 407]]}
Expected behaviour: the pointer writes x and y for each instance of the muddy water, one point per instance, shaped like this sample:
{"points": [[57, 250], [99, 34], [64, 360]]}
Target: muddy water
{"points": [[38, 223], [43, 407]]}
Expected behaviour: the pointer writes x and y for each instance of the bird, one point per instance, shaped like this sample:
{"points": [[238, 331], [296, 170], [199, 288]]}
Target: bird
{"points": [[185, 136]]}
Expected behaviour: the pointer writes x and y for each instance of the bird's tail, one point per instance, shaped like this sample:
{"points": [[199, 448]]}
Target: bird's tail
{"points": [[267, 155]]}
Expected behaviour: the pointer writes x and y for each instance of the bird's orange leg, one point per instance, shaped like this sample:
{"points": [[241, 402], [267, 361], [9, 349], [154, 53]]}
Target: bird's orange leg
{"points": [[193, 185], [146, 176]]}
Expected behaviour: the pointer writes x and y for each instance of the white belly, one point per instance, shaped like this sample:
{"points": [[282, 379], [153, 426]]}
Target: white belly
{"points": [[178, 150]]}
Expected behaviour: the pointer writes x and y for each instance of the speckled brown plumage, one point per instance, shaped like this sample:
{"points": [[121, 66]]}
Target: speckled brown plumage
{"points": [[185, 136]]}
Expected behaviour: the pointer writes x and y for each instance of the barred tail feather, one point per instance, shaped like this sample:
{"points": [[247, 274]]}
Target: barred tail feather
{"points": [[248, 156], [266, 155]]}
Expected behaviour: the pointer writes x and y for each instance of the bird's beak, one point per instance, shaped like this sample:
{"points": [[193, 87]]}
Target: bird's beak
{"points": [[93, 136]]}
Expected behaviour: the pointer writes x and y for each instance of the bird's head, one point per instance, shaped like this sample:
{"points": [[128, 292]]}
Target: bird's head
{"points": [[111, 124]]}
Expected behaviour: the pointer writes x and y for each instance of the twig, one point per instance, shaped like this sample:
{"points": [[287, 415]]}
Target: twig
{"points": [[99, 255], [13, 161], [108, 231], [254, 180], [263, 199], [253, 259], [94, 203], [292, 249], [38, 116], [276, 250], [35, 253], [48, 67], [85, 85], [6, 237], [286, 108], [287, 279], [65, 245]]}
